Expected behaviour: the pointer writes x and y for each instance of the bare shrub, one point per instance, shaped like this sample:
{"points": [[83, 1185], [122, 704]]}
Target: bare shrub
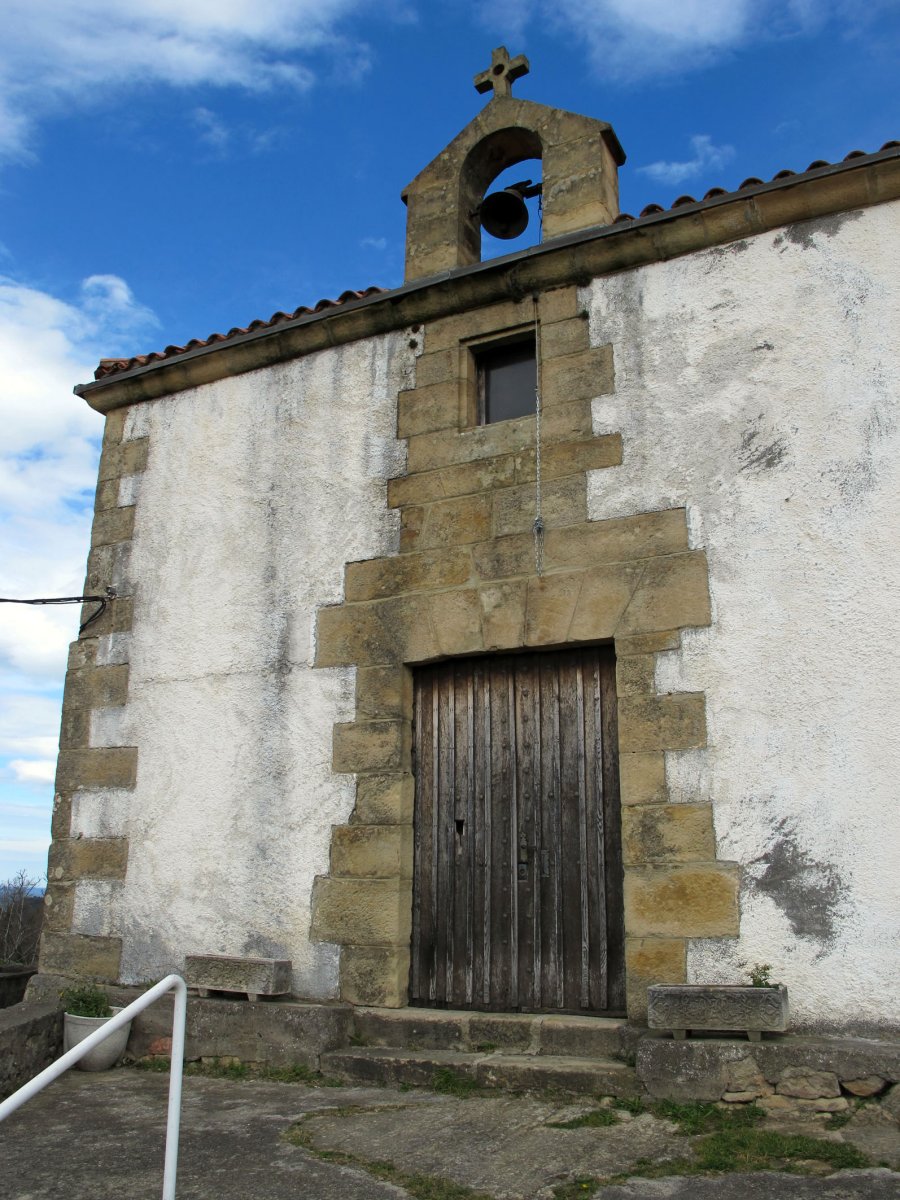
{"points": [[20, 919]]}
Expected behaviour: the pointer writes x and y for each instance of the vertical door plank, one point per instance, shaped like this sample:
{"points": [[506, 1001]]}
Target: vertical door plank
{"points": [[612, 843], [515, 762]]}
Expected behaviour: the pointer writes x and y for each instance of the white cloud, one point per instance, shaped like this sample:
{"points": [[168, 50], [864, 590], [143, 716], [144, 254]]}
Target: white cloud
{"points": [[211, 130], [636, 39], [374, 243], [49, 444], [705, 157], [28, 770], [56, 52]]}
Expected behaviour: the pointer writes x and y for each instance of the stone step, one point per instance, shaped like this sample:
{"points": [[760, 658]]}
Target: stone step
{"points": [[392, 1065], [474, 1032]]}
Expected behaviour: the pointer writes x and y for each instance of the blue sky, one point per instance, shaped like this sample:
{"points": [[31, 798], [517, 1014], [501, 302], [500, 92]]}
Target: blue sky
{"points": [[170, 168]]}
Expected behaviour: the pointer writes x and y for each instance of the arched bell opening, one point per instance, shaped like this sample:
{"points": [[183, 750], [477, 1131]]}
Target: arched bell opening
{"points": [[510, 214], [490, 161]]}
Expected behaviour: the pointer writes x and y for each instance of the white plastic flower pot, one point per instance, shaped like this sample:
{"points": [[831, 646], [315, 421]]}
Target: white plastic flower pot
{"points": [[102, 1057]]}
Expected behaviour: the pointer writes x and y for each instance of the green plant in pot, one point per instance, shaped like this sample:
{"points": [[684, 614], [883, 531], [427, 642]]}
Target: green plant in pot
{"points": [[87, 1007]]}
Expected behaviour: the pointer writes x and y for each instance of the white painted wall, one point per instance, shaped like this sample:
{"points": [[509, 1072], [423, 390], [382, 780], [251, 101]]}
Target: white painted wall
{"points": [[758, 384], [258, 490]]}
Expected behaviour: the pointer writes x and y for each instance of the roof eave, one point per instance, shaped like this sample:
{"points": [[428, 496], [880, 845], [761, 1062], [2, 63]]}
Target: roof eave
{"points": [[573, 257]]}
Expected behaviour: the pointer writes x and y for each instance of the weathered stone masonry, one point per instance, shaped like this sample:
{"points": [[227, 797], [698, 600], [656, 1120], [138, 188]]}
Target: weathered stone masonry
{"points": [[464, 583], [96, 686]]}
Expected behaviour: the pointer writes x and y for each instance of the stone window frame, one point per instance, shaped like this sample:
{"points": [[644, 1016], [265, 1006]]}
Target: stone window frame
{"points": [[472, 401]]}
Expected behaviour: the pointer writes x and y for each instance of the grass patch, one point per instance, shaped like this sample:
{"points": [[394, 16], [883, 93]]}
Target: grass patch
{"points": [[586, 1185], [159, 1064], [219, 1068], [451, 1083], [595, 1119], [486, 1047], [700, 1116], [630, 1104], [419, 1186], [763, 1149]]}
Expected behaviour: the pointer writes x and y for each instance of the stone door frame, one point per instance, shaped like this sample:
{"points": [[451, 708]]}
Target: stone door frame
{"points": [[464, 583]]}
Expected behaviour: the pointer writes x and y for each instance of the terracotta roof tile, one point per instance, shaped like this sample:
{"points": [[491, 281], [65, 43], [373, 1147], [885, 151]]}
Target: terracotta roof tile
{"points": [[113, 366]]}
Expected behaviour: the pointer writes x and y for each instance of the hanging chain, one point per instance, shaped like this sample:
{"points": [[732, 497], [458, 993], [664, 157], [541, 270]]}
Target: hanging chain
{"points": [[538, 526]]}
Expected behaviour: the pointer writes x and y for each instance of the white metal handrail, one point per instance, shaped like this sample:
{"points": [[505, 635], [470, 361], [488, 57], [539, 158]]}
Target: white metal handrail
{"points": [[170, 983]]}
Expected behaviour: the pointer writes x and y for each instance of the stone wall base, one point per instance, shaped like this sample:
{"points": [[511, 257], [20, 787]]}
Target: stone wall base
{"points": [[774, 1072], [30, 1039]]}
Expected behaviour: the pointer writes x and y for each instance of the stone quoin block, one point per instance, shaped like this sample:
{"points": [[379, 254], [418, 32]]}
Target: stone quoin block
{"points": [[462, 480], [112, 525], [564, 502], [578, 376], [549, 608], [370, 745], [384, 799], [648, 643], [372, 851], [672, 592], [429, 407], [604, 596], [670, 833], [362, 912], [456, 618], [78, 956], [642, 778], [649, 961], [569, 336], [682, 901], [228, 973], [413, 572], [375, 975], [673, 722], [88, 858], [87, 770], [125, 458], [503, 614], [636, 675], [59, 907], [455, 522], [87, 689], [383, 693], [564, 422]]}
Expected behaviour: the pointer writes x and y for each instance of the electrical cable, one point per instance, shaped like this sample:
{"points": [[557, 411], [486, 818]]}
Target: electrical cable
{"points": [[103, 601]]}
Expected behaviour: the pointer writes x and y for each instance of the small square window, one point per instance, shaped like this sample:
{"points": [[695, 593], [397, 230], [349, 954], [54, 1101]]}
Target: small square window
{"points": [[507, 378]]}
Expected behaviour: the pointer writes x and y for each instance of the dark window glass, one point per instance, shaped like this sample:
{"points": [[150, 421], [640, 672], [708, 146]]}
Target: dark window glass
{"points": [[507, 378]]}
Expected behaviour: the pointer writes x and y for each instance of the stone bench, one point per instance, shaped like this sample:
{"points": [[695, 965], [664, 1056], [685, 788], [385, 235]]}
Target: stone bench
{"points": [[254, 977]]}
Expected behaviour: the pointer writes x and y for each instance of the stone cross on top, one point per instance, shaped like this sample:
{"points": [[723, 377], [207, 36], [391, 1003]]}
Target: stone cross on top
{"points": [[502, 73]]}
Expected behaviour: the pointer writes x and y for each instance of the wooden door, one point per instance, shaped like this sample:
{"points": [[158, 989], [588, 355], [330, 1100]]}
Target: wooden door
{"points": [[517, 898]]}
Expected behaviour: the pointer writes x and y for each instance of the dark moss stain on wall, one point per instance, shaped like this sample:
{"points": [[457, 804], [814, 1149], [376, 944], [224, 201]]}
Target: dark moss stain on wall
{"points": [[809, 893]]}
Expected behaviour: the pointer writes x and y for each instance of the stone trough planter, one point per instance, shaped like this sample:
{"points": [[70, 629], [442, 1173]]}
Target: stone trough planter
{"points": [[721, 1007], [254, 977]]}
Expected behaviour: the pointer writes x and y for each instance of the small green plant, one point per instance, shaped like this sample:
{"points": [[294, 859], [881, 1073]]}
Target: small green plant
{"points": [[585, 1185], [631, 1104], [86, 1001], [594, 1119], [159, 1064], [761, 975], [486, 1047], [451, 1083], [700, 1116]]}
